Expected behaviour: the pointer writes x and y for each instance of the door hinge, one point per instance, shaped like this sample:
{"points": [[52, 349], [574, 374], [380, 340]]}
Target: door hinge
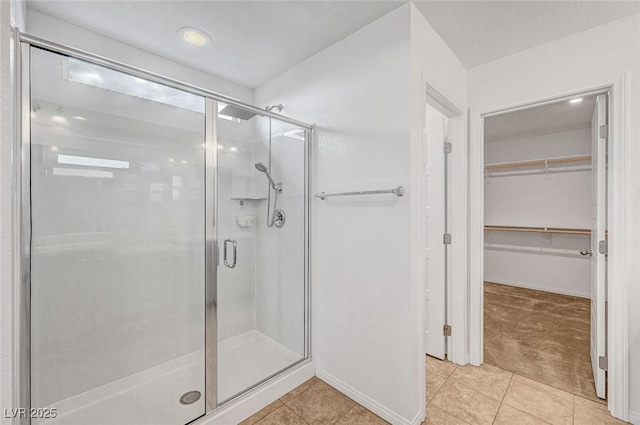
{"points": [[446, 147], [604, 131], [603, 363], [446, 330], [446, 239], [603, 247]]}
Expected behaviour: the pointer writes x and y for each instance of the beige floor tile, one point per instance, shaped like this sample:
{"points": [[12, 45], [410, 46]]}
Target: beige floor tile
{"points": [[507, 415], [466, 404], [281, 416], [440, 367], [539, 403], [546, 388], [303, 387], [588, 412], [358, 415], [488, 380], [320, 404], [437, 416], [262, 413], [434, 382]]}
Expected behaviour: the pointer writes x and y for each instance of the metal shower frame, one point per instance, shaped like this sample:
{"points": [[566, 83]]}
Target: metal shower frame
{"points": [[22, 176]]}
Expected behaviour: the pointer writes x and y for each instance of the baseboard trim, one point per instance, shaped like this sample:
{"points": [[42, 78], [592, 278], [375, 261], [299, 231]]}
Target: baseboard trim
{"points": [[579, 294], [368, 402], [634, 418], [239, 410]]}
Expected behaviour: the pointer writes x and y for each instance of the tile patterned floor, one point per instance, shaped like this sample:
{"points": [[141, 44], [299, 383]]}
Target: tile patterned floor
{"points": [[456, 395], [487, 395], [314, 403]]}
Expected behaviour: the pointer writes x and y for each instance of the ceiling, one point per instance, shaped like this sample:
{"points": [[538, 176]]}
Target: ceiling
{"points": [[253, 41], [481, 31], [556, 117]]}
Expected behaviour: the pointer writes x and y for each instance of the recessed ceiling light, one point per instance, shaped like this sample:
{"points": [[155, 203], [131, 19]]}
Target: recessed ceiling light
{"points": [[171, 160], [194, 36], [578, 100]]}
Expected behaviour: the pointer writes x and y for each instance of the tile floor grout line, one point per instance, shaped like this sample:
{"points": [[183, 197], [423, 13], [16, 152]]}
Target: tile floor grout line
{"points": [[440, 389], [294, 412], [296, 396], [548, 385], [546, 392], [350, 409], [502, 400]]}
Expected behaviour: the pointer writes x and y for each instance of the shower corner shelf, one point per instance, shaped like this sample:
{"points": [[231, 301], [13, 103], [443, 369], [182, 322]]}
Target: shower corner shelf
{"points": [[242, 199], [247, 198]]}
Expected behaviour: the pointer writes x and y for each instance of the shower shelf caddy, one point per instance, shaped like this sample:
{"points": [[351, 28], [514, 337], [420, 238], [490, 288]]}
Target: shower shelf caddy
{"points": [[242, 199]]}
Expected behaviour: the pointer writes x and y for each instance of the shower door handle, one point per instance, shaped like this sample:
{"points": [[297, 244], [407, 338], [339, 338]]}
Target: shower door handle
{"points": [[235, 253]]}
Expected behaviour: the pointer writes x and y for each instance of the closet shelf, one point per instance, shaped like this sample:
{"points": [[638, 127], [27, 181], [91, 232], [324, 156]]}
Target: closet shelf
{"points": [[538, 230], [539, 162]]}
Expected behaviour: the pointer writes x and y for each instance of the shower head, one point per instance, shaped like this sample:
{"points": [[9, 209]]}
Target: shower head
{"points": [[236, 112], [263, 169]]}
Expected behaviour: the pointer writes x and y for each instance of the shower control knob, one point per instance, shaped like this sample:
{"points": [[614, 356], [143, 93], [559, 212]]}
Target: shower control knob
{"points": [[279, 218]]}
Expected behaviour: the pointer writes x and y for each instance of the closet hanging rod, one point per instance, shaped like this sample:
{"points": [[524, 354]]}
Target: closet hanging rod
{"points": [[399, 191], [539, 230], [538, 162]]}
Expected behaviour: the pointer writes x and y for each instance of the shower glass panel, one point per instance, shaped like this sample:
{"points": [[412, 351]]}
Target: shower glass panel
{"points": [[118, 245], [261, 236]]}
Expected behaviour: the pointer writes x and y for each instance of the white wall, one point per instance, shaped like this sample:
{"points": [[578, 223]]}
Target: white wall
{"points": [[365, 331], [56, 30], [586, 60]]}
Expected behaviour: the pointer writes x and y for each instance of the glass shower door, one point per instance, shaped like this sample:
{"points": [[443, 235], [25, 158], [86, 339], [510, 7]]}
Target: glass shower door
{"points": [[118, 246], [261, 235]]}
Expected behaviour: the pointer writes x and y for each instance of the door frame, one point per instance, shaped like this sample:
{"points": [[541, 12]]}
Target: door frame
{"points": [[619, 259], [456, 293]]}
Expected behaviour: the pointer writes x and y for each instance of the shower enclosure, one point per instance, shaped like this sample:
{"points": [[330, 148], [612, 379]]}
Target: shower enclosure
{"points": [[164, 274]]}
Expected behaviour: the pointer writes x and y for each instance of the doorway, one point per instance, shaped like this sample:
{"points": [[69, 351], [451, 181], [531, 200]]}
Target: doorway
{"points": [[443, 148], [545, 243]]}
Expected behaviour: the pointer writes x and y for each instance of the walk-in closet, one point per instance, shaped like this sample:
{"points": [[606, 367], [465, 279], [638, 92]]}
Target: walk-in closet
{"points": [[545, 243]]}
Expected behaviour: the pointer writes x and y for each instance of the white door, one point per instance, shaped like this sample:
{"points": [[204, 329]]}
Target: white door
{"points": [[598, 228], [433, 203]]}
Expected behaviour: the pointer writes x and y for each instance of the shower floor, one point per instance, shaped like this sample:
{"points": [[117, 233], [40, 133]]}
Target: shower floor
{"points": [[247, 359], [150, 397]]}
